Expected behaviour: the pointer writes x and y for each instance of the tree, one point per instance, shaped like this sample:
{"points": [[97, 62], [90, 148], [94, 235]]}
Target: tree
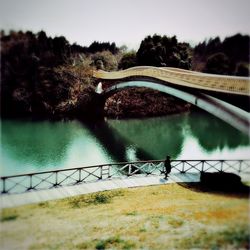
{"points": [[163, 51], [236, 48], [102, 46], [218, 63], [242, 69], [104, 60], [128, 60]]}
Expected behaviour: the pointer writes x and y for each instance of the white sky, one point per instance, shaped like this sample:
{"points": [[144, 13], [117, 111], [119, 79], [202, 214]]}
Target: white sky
{"points": [[127, 21]]}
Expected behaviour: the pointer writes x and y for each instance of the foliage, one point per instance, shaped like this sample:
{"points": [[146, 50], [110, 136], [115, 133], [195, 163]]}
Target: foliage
{"points": [[128, 60], [114, 242], [142, 102], [104, 60], [242, 69], [94, 199], [164, 52], [8, 215], [217, 64], [102, 46], [45, 77], [230, 56]]}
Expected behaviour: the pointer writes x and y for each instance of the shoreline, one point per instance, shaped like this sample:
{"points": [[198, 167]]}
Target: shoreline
{"points": [[127, 104]]}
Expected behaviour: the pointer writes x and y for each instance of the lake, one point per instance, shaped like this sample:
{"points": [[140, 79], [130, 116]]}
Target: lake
{"points": [[28, 146]]}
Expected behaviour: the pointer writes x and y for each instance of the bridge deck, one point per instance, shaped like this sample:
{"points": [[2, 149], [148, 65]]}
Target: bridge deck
{"points": [[219, 83], [13, 200]]}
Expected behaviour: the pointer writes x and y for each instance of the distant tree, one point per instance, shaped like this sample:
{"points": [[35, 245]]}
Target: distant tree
{"points": [[99, 64], [24, 59], [236, 48], [200, 49], [102, 46], [104, 60], [75, 48], [123, 48], [163, 51], [61, 47], [213, 46], [218, 64], [242, 69], [128, 60]]}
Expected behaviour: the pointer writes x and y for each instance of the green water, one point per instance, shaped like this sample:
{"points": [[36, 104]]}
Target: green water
{"points": [[42, 145]]}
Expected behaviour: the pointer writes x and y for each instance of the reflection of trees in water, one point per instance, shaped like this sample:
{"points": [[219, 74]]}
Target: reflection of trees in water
{"points": [[37, 143], [114, 143], [43, 143], [157, 137], [212, 133]]}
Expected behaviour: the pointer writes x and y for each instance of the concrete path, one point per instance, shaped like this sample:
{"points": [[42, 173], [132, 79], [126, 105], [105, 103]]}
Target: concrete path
{"points": [[13, 200]]}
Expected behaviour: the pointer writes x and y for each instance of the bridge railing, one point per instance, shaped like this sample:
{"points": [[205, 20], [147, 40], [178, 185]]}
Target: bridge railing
{"points": [[65, 177], [204, 81]]}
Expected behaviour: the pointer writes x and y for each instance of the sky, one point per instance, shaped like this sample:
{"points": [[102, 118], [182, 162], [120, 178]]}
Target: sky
{"points": [[127, 21]]}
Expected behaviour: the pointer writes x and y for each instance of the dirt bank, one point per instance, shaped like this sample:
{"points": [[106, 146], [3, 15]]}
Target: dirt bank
{"points": [[142, 102]]}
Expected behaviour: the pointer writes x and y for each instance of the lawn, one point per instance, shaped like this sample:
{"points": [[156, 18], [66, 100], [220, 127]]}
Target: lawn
{"points": [[156, 217]]}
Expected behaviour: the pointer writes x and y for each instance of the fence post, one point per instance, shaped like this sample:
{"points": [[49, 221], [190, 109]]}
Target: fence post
{"points": [[80, 177], [101, 172], [221, 166], [183, 164], [129, 170], [56, 184], [109, 172], [202, 166], [240, 166], [30, 187], [4, 190]]}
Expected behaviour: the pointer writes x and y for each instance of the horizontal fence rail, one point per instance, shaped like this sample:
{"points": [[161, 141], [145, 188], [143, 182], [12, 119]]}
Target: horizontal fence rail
{"points": [[66, 177]]}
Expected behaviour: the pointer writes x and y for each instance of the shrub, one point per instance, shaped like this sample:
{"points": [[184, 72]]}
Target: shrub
{"points": [[113, 242], [8, 215]]}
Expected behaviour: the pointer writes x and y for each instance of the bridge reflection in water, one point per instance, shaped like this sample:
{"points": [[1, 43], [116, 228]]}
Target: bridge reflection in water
{"points": [[66, 177]]}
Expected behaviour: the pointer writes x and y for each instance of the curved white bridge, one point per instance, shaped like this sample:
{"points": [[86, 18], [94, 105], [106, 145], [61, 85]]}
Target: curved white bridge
{"points": [[185, 78], [170, 81]]}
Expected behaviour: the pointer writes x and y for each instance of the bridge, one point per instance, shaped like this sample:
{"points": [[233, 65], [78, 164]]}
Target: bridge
{"points": [[41, 186], [199, 89]]}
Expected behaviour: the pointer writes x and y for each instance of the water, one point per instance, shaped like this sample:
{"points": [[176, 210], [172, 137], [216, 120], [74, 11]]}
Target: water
{"points": [[28, 146]]}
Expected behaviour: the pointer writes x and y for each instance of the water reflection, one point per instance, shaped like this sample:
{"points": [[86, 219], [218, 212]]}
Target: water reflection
{"points": [[213, 134], [31, 146], [197, 135], [156, 136], [43, 141], [35, 146], [116, 144]]}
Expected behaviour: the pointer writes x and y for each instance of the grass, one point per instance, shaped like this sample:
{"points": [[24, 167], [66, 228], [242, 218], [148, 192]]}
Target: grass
{"points": [[114, 242], [94, 199], [8, 215], [158, 217]]}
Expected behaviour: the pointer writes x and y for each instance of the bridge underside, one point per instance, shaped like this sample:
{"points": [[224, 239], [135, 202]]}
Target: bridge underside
{"points": [[234, 116], [240, 101]]}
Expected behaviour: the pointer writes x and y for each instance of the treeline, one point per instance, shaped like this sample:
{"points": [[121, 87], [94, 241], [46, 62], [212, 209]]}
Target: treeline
{"points": [[228, 57], [159, 51], [46, 76]]}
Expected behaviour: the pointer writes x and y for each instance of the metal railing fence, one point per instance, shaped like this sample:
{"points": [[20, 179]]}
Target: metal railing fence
{"points": [[65, 177]]}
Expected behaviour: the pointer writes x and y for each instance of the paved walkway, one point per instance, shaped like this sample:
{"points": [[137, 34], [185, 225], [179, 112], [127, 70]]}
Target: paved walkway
{"points": [[13, 200]]}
